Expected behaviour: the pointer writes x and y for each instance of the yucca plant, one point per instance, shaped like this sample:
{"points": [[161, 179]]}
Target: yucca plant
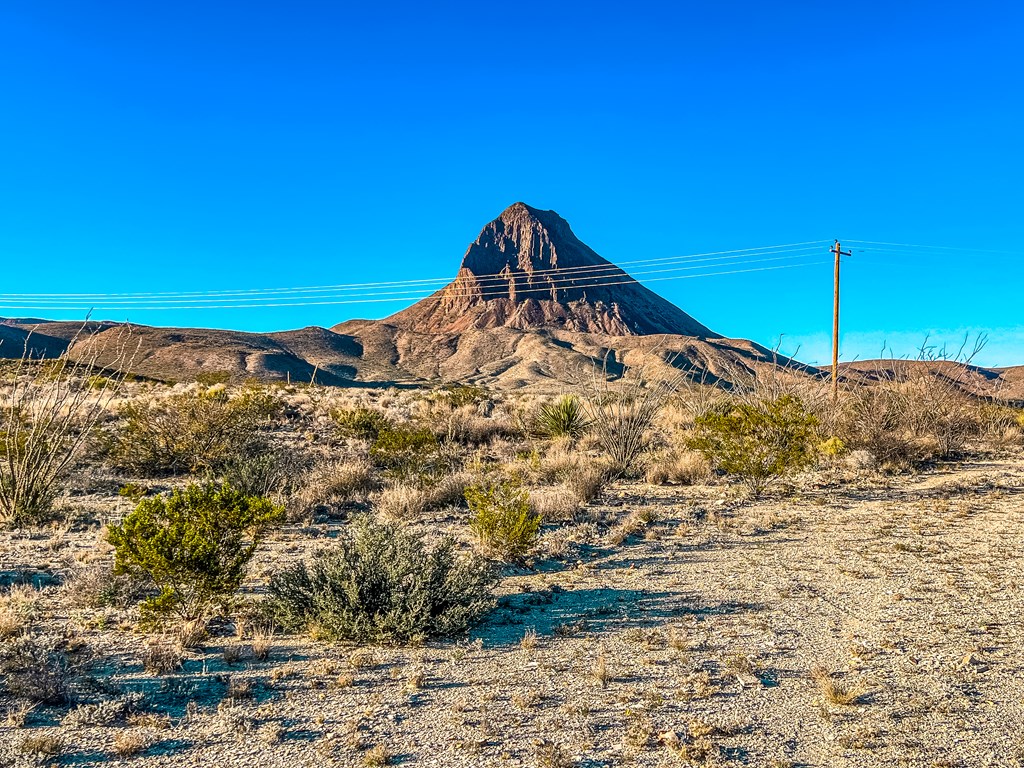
{"points": [[565, 417]]}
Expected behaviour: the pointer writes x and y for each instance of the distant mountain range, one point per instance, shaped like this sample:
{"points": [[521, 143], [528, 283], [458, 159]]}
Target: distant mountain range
{"points": [[531, 306]]}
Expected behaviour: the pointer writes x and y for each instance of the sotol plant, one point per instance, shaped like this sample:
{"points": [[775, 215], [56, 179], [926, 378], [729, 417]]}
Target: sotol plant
{"points": [[193, 545], [566, 417]]}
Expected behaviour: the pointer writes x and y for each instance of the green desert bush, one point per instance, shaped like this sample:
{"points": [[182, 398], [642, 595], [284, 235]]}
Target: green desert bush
{"points": [[189, 432], [566, 417], [192, 545], [502, 520], [758, 442], [361, 423], [383, 584], [459, 395], [408, 452]]}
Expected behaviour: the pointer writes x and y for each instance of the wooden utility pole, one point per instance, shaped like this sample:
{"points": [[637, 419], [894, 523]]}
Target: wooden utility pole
{"points": [[838, 251]]}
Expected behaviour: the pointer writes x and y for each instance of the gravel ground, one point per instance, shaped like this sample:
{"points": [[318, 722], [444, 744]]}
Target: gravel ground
{"points": [[876, 623]]}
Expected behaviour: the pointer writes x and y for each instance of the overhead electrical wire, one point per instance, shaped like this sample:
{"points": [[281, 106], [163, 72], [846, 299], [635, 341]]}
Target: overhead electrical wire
{"points": [[574, 279], [341, 301], [359, 287]]}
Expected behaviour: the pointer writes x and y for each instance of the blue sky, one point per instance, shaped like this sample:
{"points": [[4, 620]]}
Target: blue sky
{"points": [[214, 146]]}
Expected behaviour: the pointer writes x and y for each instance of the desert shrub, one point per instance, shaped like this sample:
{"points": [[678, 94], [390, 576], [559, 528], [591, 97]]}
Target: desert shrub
{"points": [[190, 431], [502, 520], [46, 415], [361, 423], [97, 586], [40, 668], [213, 378], [460, 395], [262, 474], [193, 545], [758, 442], [409, 452], [876, 419], [566, 417], [383, 584]]}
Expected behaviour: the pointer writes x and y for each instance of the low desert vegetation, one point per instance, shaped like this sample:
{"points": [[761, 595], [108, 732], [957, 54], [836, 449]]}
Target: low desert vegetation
{"points": [[757, 442], [383, 584], [211, 563], [193, 546]]}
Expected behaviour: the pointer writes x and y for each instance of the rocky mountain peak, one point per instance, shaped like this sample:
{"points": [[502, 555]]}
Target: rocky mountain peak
{"points": [[528, 270]]}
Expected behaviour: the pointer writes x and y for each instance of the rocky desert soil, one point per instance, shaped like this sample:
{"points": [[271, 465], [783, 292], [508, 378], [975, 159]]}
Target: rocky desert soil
{"points": [[874, 622]]}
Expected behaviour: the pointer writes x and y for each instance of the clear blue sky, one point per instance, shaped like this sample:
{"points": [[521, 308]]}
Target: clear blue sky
{"points": [[201, 146]]}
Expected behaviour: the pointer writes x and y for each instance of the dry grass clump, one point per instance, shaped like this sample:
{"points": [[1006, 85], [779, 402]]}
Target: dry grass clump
{"points": [[331, 484], [556, 504], [17, 608], [162, 658], [587, 481], [377, 756], [836, 691], [263, 643], [42, 745], [684, 468], [401, 501], [130, 743]]}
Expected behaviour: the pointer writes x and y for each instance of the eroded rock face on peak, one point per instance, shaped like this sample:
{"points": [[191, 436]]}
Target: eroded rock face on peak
{"points": [[527, 270]]}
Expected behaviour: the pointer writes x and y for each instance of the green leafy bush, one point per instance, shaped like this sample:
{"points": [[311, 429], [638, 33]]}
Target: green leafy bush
{"points": [[362, 423], [564, 418], [459, 395], [501, 519], [190, 431], [193, 545], [409, 452], [383, 584], [758, 442]]}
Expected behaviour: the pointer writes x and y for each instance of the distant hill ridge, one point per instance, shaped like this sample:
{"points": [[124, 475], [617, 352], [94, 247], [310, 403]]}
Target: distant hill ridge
{"points": [[530, 307]]}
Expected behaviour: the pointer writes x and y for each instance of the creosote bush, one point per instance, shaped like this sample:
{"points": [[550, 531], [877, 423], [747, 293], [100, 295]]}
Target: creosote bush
{"points": [[191, 431], [361, 423], [757, 442], [502, 519], [193, 546], [407, 452], [383, 584]]}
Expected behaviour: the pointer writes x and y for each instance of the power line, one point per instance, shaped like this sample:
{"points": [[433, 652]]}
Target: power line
{"points": [[484, 283], [739, 253], [337, 302]]}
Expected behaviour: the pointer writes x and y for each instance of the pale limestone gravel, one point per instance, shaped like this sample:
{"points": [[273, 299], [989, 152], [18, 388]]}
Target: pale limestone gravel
{"points": [[709, 619]]}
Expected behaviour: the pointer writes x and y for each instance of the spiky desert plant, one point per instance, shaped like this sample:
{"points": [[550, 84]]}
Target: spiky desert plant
{"points": [[566, 417], [49, 409]]}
